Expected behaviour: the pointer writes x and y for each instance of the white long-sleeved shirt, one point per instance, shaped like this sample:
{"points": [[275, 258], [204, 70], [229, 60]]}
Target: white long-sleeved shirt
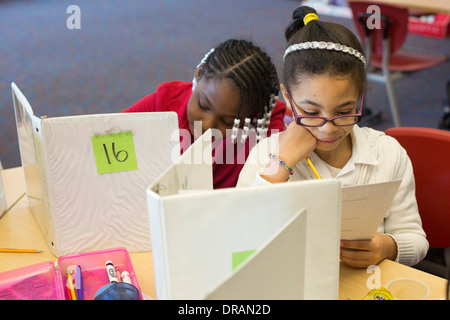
{"points": [[375, 158]]}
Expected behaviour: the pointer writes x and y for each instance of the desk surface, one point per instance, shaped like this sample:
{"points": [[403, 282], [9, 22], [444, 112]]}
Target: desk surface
{"points": [[431, 6], [18, 229]]}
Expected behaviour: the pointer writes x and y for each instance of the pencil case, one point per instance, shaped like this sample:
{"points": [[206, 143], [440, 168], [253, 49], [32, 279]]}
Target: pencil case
{"points": [[47, 280]]}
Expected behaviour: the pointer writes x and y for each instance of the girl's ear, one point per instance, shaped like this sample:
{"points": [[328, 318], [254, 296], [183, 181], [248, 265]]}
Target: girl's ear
{"points": [[285, 95], [198, 72]]}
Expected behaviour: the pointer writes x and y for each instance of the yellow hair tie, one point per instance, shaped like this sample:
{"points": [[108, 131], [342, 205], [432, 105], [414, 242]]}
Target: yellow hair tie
{"points": [[310, 17]]}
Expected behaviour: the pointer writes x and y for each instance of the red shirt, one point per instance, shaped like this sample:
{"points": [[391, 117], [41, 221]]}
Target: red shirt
{"points": [[174, 96]]}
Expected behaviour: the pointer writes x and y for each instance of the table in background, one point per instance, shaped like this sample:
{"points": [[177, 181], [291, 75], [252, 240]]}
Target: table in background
{"points": [[19, 229], [429, 6]]}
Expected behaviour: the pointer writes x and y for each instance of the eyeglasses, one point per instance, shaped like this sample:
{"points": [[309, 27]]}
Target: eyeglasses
{"points": [[314, 121]]}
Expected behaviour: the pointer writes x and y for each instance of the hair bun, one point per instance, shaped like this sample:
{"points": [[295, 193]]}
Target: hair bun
{"points": [[298, 15]]}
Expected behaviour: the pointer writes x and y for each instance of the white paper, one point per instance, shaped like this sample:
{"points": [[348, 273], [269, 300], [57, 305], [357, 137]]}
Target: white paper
{"points": [[363, 208]]}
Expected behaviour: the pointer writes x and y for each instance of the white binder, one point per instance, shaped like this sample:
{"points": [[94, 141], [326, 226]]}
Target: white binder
{"points": [[289, 234], [86, 175], [3, 205]]}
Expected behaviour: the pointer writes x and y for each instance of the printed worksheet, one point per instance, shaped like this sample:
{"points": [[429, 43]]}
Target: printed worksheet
{"points": [[363, 208]]}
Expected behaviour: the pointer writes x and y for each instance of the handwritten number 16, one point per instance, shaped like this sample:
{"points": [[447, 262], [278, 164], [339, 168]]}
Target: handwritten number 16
{"points": [[116, 154]]}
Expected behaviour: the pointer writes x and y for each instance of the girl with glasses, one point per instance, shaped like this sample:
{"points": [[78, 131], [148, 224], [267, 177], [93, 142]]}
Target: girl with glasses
{"points": [[324, 77]]}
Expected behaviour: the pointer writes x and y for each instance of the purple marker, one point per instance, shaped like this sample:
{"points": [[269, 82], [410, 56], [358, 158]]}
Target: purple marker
{"points": [[79, 283]]}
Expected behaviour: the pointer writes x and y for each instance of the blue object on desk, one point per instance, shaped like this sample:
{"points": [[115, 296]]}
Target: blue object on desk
{"points": [[117, 291]]}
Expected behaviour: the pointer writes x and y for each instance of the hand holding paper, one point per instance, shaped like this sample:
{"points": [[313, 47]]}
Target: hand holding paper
{"points": [[363, 253]]}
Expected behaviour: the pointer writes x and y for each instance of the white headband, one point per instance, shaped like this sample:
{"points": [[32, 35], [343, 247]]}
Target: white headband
{"points": [[324, 45]]}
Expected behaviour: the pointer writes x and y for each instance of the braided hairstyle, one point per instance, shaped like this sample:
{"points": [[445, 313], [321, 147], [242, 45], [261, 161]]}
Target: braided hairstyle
{"points": [[251, 70], [301, 64]]}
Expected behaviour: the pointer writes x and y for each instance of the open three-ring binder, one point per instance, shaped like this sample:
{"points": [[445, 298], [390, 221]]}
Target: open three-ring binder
{"points": [[270, 242], [86, 175]]}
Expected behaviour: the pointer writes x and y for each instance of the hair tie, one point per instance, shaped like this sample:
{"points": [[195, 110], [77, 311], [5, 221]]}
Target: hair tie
{"points": [[310, 17]]}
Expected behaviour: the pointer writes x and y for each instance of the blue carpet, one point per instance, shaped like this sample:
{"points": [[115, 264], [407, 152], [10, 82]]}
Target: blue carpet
{"points": [[125, 48]]}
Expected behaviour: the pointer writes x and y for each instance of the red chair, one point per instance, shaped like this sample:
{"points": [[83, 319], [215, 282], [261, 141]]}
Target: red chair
{"points": [[383, 46], [429, 151], [288, 117]]}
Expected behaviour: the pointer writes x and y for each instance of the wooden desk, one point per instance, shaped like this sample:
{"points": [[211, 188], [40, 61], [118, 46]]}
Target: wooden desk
{"points": [[15, 185], [18, 229], [430, 6], [353, 282]]}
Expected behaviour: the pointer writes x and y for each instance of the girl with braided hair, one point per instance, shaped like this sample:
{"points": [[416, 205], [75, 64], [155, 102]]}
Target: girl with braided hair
{"points": [[323, 82], [234, 92]]}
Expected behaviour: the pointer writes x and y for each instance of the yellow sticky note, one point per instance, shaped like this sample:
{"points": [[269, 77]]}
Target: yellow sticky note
{"points": [[114, 152]]}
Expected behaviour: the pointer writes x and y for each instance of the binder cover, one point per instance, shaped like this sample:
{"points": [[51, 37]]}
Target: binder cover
{"points": [[276, 271], [86, 175], [211, 243]]}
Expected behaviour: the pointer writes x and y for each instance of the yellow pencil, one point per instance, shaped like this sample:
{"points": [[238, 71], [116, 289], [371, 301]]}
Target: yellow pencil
{"points": [[313, 168], [20, 250], [71, 288]]}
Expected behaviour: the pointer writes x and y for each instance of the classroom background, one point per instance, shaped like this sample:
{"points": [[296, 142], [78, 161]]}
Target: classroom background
{"points": [[124, 49]]}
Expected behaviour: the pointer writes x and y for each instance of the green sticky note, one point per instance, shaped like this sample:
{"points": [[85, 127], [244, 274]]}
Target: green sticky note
{"points": [[238, 257], [114, 152]]}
